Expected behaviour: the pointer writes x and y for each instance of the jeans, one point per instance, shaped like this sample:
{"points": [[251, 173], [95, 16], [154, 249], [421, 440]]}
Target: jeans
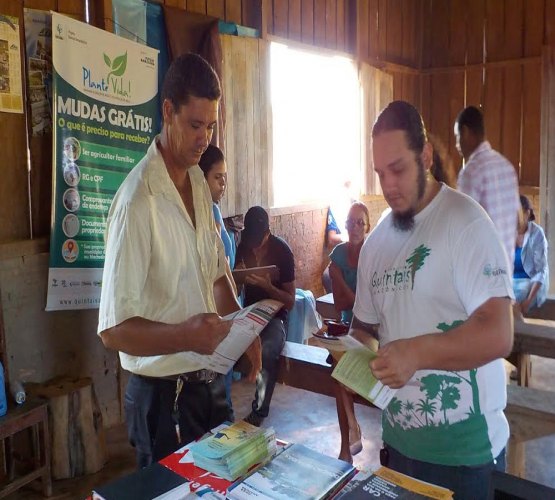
{"points": [[148, 408], [467, 482], [273, 340], [227, 382], [521, 288]]}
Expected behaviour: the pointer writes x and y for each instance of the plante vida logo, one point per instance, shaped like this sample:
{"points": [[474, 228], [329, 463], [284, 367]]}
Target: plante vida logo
{"points": [[113, 83], [117, 66]]}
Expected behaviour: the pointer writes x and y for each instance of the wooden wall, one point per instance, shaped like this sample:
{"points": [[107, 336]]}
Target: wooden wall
{"points": [[26, 196], [487, 53], [435, 51], [248, 124]]}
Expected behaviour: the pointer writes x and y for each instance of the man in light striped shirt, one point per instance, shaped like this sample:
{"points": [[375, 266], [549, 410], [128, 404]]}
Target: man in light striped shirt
{"points": [[488, 177]]}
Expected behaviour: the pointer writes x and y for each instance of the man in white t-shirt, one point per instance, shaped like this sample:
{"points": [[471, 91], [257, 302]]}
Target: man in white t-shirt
{"points": [[433, 287], [165, 278]]}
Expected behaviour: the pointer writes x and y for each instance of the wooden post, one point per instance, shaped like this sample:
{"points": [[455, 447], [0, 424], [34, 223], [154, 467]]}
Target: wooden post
{"points": [[77, 434]]}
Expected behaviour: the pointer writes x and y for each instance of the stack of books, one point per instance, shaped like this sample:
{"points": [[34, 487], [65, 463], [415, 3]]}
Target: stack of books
{"points": [[232, 451], [297, 472]]}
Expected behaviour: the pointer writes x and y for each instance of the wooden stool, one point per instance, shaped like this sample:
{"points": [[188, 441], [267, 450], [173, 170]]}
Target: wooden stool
{"points": [[77, 433], [32, 415]]}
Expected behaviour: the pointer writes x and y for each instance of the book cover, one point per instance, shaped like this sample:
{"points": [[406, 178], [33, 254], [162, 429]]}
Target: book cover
{"points": [[387, 483], [228, 440], [152, 482], [201, 481], [297, 472], [353, 371]]}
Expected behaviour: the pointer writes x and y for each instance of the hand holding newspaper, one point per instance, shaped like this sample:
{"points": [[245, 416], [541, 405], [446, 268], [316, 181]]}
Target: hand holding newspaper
{"points": [[247, 325], [353, 369]]}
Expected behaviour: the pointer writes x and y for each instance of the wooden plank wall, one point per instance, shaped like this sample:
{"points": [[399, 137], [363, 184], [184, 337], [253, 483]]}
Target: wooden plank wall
{"points": [[487, 53], [434, 50], [14, 199], [390, 37], [248, 128]]}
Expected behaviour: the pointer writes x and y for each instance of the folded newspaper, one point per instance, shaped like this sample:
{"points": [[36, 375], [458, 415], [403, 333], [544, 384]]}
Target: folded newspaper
{"points": [[247, 325]]}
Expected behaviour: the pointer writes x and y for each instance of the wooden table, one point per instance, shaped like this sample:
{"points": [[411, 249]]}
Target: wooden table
{"points": [[531, 412], [531, 336], [31, 415]]}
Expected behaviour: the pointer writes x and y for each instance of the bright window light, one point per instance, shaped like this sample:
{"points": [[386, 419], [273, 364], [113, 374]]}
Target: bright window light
{"points": [[316, 113]]}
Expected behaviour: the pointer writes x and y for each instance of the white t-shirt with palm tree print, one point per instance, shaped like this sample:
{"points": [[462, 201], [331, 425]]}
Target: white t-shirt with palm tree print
{"points": [[431, 279]]}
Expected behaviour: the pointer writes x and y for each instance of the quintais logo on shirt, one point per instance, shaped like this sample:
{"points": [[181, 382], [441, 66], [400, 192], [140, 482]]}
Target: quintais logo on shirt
{"points": [[398, 279], [490, 271]]}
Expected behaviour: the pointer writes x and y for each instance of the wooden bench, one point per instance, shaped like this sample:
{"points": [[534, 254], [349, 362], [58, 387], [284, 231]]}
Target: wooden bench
{"points": [[531, 337], [531, 415], [530, 412]]}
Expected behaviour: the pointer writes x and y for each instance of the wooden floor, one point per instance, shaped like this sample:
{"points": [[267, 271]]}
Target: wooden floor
{"points": [[300, 416]]}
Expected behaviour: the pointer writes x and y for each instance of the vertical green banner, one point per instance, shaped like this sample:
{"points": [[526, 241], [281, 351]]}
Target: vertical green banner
{"points": [[104, 100]]}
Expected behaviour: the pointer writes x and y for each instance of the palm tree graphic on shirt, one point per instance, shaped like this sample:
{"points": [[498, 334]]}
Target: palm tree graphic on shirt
{"points": [[441, 393]]}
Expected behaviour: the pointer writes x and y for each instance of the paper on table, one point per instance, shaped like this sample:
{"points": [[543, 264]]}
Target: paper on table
{"points": [[247, 324], [337, 343], [353, 371]]}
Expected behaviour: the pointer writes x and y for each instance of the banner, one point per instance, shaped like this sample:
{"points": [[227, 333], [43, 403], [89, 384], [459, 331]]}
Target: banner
{"points": [[105, 98]]}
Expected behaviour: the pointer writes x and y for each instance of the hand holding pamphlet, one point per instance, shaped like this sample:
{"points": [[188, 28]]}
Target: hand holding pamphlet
{"points": [[247, 325], [354, 372], [353, 369]]}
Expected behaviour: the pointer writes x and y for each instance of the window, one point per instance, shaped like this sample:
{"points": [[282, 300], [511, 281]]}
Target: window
{"points": [[316, 115]]}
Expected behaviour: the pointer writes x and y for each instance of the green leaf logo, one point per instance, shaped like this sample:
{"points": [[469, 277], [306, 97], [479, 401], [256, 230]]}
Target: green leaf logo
{"points": [[117, 66]]}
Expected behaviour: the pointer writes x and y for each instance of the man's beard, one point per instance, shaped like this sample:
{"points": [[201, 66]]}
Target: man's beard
{"points": [[404, 221]]}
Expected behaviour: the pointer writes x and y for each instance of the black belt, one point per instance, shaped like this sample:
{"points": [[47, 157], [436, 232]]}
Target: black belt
{"points": [[203, 376]]}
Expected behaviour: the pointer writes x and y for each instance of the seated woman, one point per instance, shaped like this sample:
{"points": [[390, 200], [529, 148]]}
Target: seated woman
{"points": [[531, 272], [343, 273]]}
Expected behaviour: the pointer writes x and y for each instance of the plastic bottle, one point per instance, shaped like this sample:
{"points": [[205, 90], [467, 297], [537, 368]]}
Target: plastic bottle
{"points": [[17, 391], [3, 402]]}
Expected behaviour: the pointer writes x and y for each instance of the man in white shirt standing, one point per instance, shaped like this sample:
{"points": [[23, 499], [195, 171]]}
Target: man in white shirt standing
{"points": [[164, 279], [488, 177], [433, 286]]}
